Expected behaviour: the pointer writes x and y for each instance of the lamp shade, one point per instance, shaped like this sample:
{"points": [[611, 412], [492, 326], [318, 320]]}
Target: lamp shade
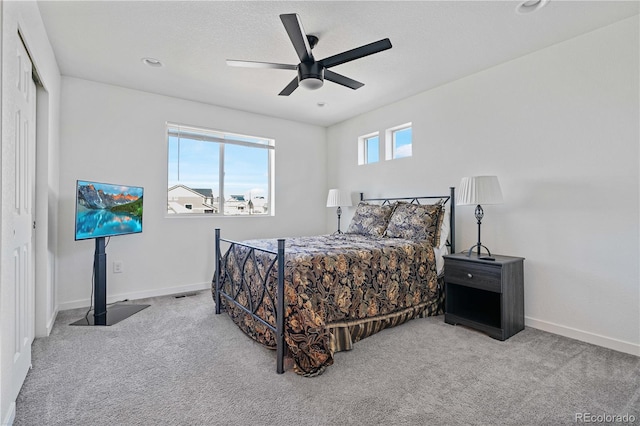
{"points": [[337, 198], [478, 190]]}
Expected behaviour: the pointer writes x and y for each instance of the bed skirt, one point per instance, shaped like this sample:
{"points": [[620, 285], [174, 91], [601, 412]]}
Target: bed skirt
{"points": [[344, 334]]}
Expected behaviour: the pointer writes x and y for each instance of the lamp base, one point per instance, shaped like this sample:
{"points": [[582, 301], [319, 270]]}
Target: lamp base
{"points": [[339, 213], [479, 246], [479, 215]]}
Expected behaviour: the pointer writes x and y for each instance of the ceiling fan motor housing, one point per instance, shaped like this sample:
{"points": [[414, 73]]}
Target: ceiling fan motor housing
{"points": [[311, 75]]}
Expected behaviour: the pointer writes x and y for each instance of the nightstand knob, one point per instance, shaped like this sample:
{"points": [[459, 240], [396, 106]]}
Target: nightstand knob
{"points": [[470, 275]]}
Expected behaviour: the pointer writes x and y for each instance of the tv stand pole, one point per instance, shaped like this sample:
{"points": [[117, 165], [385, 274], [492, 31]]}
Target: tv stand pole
{"points": [[116, 312], [100, 289]]}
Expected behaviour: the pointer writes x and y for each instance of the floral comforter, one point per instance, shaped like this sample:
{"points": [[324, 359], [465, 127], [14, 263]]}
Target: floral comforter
{"points": [[329, 280]]}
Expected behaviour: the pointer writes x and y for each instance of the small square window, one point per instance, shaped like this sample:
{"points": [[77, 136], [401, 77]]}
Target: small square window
{"points": [[399, 142], [402, 143], [373, 149], [369, 149]]}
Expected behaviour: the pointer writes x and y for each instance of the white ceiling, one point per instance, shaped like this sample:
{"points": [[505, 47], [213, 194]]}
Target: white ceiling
{"points": [[434, 42]]}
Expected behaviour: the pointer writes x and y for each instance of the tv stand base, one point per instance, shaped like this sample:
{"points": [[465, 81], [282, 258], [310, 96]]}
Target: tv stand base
{"points": [[115, 314]]}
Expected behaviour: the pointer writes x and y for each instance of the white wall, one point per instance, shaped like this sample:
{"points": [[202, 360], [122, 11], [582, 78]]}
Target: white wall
{"points": [[116, 135], [25, 17], [560, 128]]}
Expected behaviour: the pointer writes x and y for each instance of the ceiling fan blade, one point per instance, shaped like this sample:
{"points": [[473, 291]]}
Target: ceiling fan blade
{"points": [[255, 64], [293, 25], [357, 53], [293, 85], [341, 79]]}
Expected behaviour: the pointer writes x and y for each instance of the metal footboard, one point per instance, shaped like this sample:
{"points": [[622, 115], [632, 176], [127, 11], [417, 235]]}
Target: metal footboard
{"points": [[238, 287]]}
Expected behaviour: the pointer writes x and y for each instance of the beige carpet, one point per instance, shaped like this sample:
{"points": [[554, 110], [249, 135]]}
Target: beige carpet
{"points": [[176, 363]]}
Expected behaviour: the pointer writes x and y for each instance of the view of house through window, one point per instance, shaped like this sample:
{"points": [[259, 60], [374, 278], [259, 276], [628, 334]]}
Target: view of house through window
{"points": [[211, 172]]}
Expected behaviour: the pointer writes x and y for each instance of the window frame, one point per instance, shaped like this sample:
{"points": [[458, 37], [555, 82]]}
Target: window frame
{"points": [[223, 138]]}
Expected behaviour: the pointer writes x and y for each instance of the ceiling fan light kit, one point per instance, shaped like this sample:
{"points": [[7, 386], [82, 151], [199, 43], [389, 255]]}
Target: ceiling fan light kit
{"points": [[312, 73]]}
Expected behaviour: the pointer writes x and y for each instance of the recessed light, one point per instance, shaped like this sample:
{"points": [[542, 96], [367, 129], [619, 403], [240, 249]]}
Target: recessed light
{"points": [[152, 62], [529, 6]]}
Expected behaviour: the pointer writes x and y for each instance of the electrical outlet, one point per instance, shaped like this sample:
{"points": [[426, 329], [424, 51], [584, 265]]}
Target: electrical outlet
{"points": [[118, 267]]}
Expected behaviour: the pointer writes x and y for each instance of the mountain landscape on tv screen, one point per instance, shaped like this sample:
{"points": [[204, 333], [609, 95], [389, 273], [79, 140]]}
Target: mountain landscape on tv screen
{"points": [[105, 210], [94, 199]]}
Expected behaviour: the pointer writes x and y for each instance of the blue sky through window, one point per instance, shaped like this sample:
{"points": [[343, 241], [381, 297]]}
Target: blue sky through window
{"points": [[402, 143], [195, 164], [373, 149], [246, 171]]}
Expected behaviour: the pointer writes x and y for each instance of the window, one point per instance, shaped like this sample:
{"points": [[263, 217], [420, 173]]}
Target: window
{"points": [[213, 172], [373, 149], [399, 142], [369, 149]]}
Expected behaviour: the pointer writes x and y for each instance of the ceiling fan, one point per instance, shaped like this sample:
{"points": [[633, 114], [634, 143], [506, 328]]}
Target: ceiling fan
{"points": [[312, 73]]}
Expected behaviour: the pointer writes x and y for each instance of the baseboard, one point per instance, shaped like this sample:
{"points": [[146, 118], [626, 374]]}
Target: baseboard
{"points": [[11, 415], [83, 303], [584, 336], [52, 320]]}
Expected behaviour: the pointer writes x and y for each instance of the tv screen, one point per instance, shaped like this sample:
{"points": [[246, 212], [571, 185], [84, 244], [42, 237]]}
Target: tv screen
{"points": [[105, 210]]}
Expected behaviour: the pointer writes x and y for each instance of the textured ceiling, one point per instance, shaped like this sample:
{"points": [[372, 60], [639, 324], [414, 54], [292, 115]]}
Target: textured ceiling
{"points": [[434, 42]]}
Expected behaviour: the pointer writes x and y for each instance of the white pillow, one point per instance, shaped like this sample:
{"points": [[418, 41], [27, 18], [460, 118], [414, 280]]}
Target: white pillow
{"points": [[445, 228], [439, 252]]}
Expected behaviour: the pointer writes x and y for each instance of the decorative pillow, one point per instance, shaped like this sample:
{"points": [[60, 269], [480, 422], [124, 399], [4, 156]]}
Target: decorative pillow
{"points": [[370, 219], [416, 222]]}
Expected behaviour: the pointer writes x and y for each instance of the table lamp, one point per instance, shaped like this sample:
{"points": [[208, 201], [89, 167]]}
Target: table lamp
{"points": [[478, 190], [338, 198]]}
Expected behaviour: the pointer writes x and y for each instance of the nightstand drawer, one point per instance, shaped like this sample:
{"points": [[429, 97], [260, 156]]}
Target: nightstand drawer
{"points": [[484, 277]]}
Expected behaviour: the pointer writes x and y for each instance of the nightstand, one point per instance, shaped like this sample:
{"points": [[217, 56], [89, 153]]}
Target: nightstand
{"points": [[485, 295]]}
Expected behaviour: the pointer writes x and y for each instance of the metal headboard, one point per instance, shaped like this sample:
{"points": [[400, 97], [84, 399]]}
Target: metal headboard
{"points": [[416, 200]]}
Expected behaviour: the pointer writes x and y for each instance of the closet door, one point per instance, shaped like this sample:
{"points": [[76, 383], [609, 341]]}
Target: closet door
{"points": [[20, 184]]}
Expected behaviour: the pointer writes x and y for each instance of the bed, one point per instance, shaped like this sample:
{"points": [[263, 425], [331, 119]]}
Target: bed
{"points": [[310, 297]]}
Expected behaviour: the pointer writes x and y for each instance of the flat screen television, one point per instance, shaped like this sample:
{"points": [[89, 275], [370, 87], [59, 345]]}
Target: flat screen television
{"points": [[105, 210]]}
